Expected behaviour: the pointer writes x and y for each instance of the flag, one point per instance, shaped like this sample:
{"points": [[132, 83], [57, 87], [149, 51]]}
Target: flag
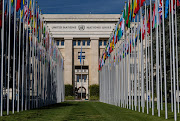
{"points": [[137, 7], [142, 1], [178, 2], [148, 23], [12, 2], [167, 8], [154, 14], [134, 7], [18, 6], [160, 11], [1, 6], [127, 13]]}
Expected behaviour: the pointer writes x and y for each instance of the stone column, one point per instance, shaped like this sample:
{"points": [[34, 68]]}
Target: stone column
{"points": [[93, 68], [68, 61]]}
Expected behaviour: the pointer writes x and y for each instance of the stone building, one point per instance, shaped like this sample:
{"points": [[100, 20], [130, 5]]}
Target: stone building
{"points": [[73, 31]]}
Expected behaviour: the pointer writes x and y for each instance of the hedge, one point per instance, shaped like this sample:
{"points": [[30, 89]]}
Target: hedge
{"points": [[68, 90], [94, 90]]}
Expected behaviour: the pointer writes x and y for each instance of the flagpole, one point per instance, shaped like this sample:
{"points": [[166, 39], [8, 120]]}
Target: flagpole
{"points": [[170, 55], [176, 56], [19, 63], [146, 61], [22, 93], [174, 85], [135, 68], [9, 56], [157, 59], [26, 55], [81, 71], [2, 57], [164, 55], [152, 81], [142, 65], [129, 79]]}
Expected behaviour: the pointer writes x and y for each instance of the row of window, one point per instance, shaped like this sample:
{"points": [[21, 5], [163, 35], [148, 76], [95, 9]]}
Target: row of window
{"points": [[102, 41], [84, 77], [60, 42], [83, 42], [79, 42]]}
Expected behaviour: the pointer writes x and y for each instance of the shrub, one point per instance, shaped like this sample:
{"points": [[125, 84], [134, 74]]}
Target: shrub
{"points": [[68, 90], [94, 90]]}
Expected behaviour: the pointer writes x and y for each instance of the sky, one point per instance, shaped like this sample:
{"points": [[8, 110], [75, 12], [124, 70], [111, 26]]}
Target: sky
{"points": [[81, 6]]}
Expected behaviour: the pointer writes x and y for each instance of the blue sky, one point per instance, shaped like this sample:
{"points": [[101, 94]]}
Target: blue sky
{"points": [[81, 6]]}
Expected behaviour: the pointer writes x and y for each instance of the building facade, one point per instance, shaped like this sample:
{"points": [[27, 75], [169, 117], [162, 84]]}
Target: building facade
{"points": [[73, 31]]}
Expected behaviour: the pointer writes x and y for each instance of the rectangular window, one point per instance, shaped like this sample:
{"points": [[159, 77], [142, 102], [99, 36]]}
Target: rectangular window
{"points": [[74, 42], [88, 43], [105, 41], [84, 42], [57, 42], [62, 42], [79, 42], [77, 78], [100, 42], [85, 76]]}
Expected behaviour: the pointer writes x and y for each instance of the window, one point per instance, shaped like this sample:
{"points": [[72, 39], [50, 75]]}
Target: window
{"points": [[88, 43], [62, 42], [85, 77], [74, 42], [77, 78], [57, 42], [100, 42], [105, 41], [84, 42], [79, 42]]}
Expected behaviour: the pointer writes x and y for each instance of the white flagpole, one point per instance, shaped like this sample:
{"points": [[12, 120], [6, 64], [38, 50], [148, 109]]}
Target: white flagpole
{"points": [[152, 81], [9, 56], [26, 56], [142, 65], [164, 55], [157, 59], [129, 79], [139, 107], [135, 68], [2, 57], [14, 56], [146, 60], [22, 93], [19, 63], [174, 85], [176, 56], [161, 99], [170, 38]]}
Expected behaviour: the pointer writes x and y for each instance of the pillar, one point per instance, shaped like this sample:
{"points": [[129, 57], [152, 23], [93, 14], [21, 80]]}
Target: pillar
{"points": [[68, 60]]}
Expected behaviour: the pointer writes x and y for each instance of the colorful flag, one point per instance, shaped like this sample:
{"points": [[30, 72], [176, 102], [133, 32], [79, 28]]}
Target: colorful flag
{"points": [[148, 23], [134, 7], [178, 2], [142, 2], [1, 6], [12, 2], [167, 8], [154, 14], [160, 11], [137, 7], [18, 6]]}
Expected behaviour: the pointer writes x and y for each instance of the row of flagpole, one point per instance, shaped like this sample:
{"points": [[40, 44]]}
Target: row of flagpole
{"points": [[37, 65], [127, 73]]}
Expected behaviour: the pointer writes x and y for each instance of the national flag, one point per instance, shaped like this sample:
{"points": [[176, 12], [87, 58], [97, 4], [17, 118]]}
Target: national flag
{"points": [[18, 6], [160, 11], [142, 2], [12, 2], [1, 6], [178, 2], [137, 7], [134, 7], [127, 13], [154, 14], [167, 8], [148, 23]]}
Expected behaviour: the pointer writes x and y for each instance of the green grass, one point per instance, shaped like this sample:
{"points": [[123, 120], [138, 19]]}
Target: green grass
{"points": [[83, 111], [69, 97], [94, 98]]}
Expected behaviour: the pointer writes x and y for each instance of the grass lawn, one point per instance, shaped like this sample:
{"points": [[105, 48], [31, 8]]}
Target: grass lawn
{"points": [[82, 111]]}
